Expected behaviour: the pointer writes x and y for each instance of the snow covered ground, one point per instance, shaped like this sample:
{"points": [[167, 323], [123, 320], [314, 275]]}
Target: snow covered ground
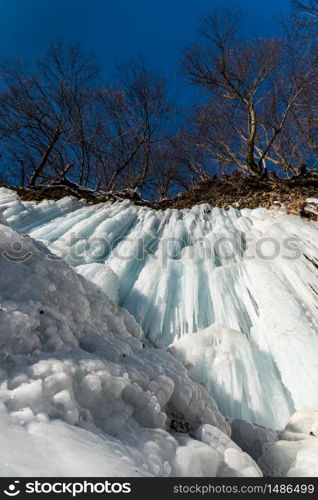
{"points": [[229, 299]]}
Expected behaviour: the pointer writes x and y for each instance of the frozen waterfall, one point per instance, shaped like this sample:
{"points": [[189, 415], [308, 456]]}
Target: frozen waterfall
{"points": [[232, 294]]}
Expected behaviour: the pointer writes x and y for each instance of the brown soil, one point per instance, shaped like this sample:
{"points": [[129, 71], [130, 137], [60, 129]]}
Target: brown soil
{"points": [[223, 192], [249, 192]]}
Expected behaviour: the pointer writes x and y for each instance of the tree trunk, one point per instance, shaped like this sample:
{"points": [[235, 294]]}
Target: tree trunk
{"points": [[122, 167], [252, 125], [44, 159]]}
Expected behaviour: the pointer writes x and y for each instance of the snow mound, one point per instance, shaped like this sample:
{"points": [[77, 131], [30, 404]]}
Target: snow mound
{"points": [[292, 452], [81, 391], [296, 451], [231, 455], [252, 438]]}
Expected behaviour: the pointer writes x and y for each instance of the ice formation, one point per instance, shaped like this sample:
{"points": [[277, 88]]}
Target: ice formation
{"points": [[231, 294], [80, 387], [227, 364], [292, 452]]}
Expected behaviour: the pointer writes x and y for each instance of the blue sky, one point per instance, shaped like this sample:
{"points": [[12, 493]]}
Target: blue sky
{"points": [[116, 29]]}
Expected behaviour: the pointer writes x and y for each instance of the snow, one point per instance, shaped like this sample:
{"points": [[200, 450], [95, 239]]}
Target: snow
{"points": [[224, 299], [80, 391], [292, 452], [296, 451], [233, 463], [311, 205], [54, 447]]}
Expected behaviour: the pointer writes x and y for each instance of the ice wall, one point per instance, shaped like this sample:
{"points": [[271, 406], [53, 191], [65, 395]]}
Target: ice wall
{"points": [[80, 391], [253, 272]]}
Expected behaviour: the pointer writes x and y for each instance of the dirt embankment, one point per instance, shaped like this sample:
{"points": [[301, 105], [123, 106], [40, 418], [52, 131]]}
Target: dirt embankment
{"points": [[235, 190], [250, 192]]}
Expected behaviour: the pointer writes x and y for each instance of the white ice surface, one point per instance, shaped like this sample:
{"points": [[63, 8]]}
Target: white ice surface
{"points": [[82, 392], [265, 309], [103, 276], [288, 453], [295, 453], [229, 366]]}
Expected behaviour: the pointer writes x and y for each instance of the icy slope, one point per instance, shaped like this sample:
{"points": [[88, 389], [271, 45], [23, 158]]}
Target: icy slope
{"points": [[252, 274], [81, 393]]}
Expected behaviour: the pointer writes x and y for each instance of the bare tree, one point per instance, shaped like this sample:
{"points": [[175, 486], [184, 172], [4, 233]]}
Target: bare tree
{"points": [[148, 104], [165, 168], [248, 108], [193, 160], [306, 12], [43, 110], [131, 118], [120, 135]]}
